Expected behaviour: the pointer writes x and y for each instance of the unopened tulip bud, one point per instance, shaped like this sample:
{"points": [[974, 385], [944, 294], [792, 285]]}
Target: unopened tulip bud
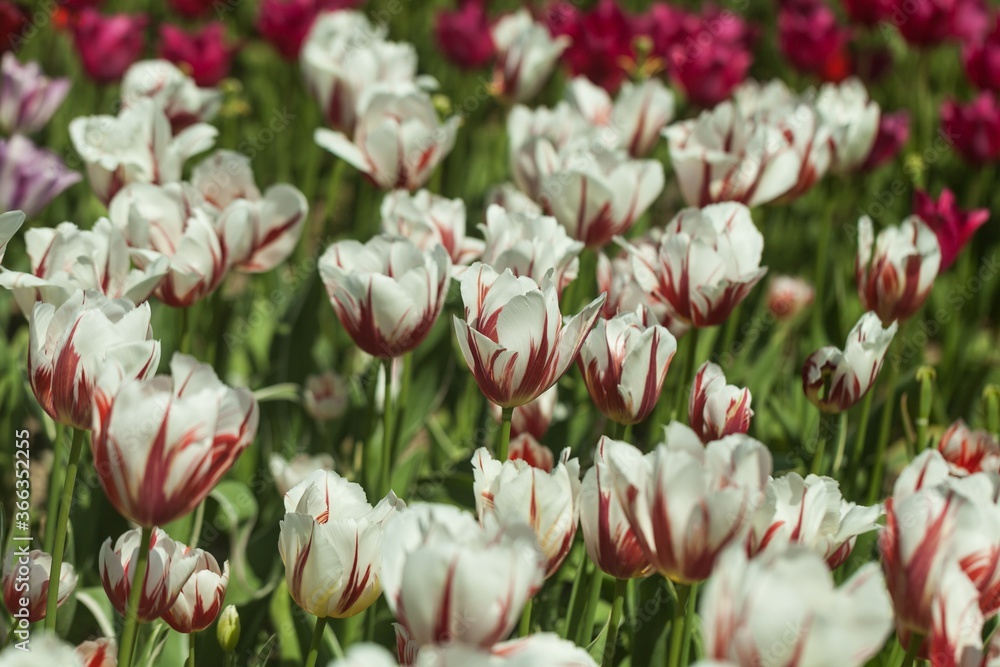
{"points": [[228, 629]]}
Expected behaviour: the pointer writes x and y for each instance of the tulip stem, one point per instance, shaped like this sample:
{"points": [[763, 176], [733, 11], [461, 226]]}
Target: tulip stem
{"points": [[127, 645], [586, 629], [838, 458], [525, 628], [317, 641], [883, 434], [575, 600], [823, 260], [827, 430], [184, 342], [692, 361], [62, 526], [860, 437], [689, 622], [199, 519], [613, 622], [677, 631], [190, 660], [505, 417], [911, 650], [386, 484]]}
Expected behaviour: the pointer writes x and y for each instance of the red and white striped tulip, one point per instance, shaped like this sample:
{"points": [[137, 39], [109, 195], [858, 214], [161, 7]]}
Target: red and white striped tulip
{"points": [[168, 570], [530, 245], [431, 220], [137, 146], [967, 451], [538, 649], [435, 559], [330, 542], [527, 53], [398, 140], [200, 599], [10, 222], [531, 418], [268, 225], [709, 260], [717, 409], [810, 512], [173, 222], [26, 577], [956, 635], [66, 259], [788, 296], [611, 543], [514, 491], [525, 448], [624, 363], [326, 396], [288, 474], [173, 91], [687, 501], [508, 197], [852, 119], [783, 609], [834, 380], [70, 346], [513, 336], [387, 293], [896, 276], [636, 117], [536, 137], [48, 649], [101, 652], [161, 444]]}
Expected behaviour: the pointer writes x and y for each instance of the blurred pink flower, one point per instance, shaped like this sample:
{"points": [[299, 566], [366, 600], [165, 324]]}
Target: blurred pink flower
{"points": [[205, 51], [869, 12], [13, 22], [714, 58], [974, 128], [285, 23], [930, 22], [108, 44], [953, 226], [28, 98], [463, 34], [813, 42], [601, 45], [982, 59], [192, 8], [893, 133]]}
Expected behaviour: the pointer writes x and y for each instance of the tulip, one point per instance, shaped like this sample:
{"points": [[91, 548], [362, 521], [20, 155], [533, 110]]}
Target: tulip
{"points": [[526, 55], [708, 262], [597, 195], [513, 337], [956, 622], [205, 51], [810, 512], [169, 569], [968, 452], [175, 93], [516, 492], [524, 447], [463, 35], [31, 177], [387, 292], [398, 140], [624, 363], [330, 543], [954, 228], [531, 418], [637, 117], [268, 226], [687, 501], [326, 396], [169, 224], [192, 8], [723, 156], [893, 133], [161, 444], [536, 136], [868, 12], [929, 23], [717, 409], [600, 41], [666, 27], [227, 632], [896, 278], [853, 119], [285, 24], [982, 58], [66, 259], [48, 649], [531, 246], [813, 42], [973, 129], [28, 98], [344, 57], [433, 562], [200, 599], [135, 147], [834, 380], [430, 220], [366, 655], [715, 58], [289, 474], [98, 653], [108, 44], [787, 296], [536, 649], [610, 540], [784, 609], [10, 222], [26, 583], [510, 198], [14, 22], [72, 344]]}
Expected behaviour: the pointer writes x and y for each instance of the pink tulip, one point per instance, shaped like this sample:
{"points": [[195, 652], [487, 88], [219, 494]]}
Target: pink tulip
{"points": [[974, 127], [893, 133], [108, 44], [463, 34], [205, 52], [868, 12], [954, 228], [814, 42], [27, 97], [982, 59], [600, 41]]}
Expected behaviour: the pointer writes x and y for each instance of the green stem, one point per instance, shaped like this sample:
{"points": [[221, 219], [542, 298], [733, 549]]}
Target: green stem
{"points": [[59, 546], [525, 628], [827, 429], [387, 410], [616, 430], [199, 519], [616, 615], [586, 628], [505, 417], [317, 641], [677, 629], [838, 458], [190, 661], [57, 477], [925, 375], [884, 431], [575, 602], [823, 261], [689, 623], [860, 436], [911, 650], [993, 410], [184, 341], [230, 659], [127, 644], [403, 403], [680, 411]]}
